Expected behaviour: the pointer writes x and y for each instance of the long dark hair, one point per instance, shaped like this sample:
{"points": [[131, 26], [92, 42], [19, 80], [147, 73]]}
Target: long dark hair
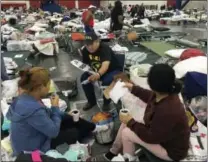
{"points": [[117, 10]]}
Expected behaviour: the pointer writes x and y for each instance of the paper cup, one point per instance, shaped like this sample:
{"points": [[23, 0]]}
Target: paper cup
{"points": [[75, 114], [124, 111]]}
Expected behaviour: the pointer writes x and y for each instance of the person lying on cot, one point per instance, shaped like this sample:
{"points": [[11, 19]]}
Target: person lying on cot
{"points": [[166, 132], [35, 127]]}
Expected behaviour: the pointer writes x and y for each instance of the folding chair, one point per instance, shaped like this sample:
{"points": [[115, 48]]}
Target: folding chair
{"points": [[121, 60]]}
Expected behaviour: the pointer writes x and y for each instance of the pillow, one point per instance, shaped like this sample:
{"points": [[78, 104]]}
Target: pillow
{"points": [[196, 64], [175, 53]]}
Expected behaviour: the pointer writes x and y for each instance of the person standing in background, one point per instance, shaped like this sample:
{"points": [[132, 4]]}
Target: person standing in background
{"points": [[133, 11], [88, 19], [117, 18], [125, 8], [141, 11], [129, 9]]}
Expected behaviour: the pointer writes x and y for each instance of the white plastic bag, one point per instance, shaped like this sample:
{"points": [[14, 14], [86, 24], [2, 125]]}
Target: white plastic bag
{"points": [[10, 88]]}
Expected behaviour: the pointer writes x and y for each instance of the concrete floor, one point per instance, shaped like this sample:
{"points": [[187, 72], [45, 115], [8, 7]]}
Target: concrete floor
{"points": [[65, 69]]}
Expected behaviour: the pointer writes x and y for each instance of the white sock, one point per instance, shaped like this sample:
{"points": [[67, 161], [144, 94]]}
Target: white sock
{"points": [[100, 128]]}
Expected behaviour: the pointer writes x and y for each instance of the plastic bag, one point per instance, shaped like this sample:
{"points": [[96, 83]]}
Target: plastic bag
{"points": [[10, 88], [198, 106], [82, 151], [6, 150]]}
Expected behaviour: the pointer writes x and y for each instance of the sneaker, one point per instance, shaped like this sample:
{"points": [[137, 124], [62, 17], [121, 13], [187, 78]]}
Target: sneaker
{"points": [[88, 106], [129, 158]]}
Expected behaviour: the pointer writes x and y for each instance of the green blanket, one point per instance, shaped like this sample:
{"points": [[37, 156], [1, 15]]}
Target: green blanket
{"points": [[158, 47]]}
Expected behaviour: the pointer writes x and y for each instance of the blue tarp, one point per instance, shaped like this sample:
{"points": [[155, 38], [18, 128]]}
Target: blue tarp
{"points": [[195, 85], [51, 7]]}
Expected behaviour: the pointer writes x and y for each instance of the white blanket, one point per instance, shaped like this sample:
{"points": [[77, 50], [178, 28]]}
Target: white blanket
{"points": [[47, 48]]}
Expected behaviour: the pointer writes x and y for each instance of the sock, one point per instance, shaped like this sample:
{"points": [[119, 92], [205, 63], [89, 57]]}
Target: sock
{"points": [[110, 155], [100, 128]]}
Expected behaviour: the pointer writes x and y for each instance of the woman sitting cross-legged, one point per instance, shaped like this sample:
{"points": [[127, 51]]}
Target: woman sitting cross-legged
{"points": [[166, 132], [35, 127]]}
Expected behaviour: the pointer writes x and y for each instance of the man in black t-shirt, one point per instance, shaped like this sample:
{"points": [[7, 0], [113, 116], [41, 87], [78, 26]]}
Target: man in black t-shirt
{"points": [[103, 61]]}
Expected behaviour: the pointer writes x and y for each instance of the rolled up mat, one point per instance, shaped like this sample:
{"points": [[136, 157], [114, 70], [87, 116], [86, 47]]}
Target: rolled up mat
{"points": [[187, 43]]}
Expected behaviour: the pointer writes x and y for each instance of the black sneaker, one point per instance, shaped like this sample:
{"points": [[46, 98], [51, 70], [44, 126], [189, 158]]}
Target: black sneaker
{"points": [[88, 106]]}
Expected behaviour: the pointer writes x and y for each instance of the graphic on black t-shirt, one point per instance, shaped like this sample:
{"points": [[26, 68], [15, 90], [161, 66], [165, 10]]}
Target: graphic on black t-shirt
{"points": [[95, 62], [104, 53]]}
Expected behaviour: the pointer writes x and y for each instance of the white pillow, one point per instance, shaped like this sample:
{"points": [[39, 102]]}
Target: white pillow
{"points": [[175, 53], [196, 64]]}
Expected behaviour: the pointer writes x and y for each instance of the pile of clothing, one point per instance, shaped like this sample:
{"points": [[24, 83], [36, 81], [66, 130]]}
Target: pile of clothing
{"points": [[10, 65]]}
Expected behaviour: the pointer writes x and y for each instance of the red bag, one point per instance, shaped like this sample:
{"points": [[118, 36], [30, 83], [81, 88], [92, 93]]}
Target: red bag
{"points": [[191, 52]]}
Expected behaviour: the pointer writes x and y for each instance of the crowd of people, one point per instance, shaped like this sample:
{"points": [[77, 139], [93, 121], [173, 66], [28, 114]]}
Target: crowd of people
{"points": [[165, 132]]}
